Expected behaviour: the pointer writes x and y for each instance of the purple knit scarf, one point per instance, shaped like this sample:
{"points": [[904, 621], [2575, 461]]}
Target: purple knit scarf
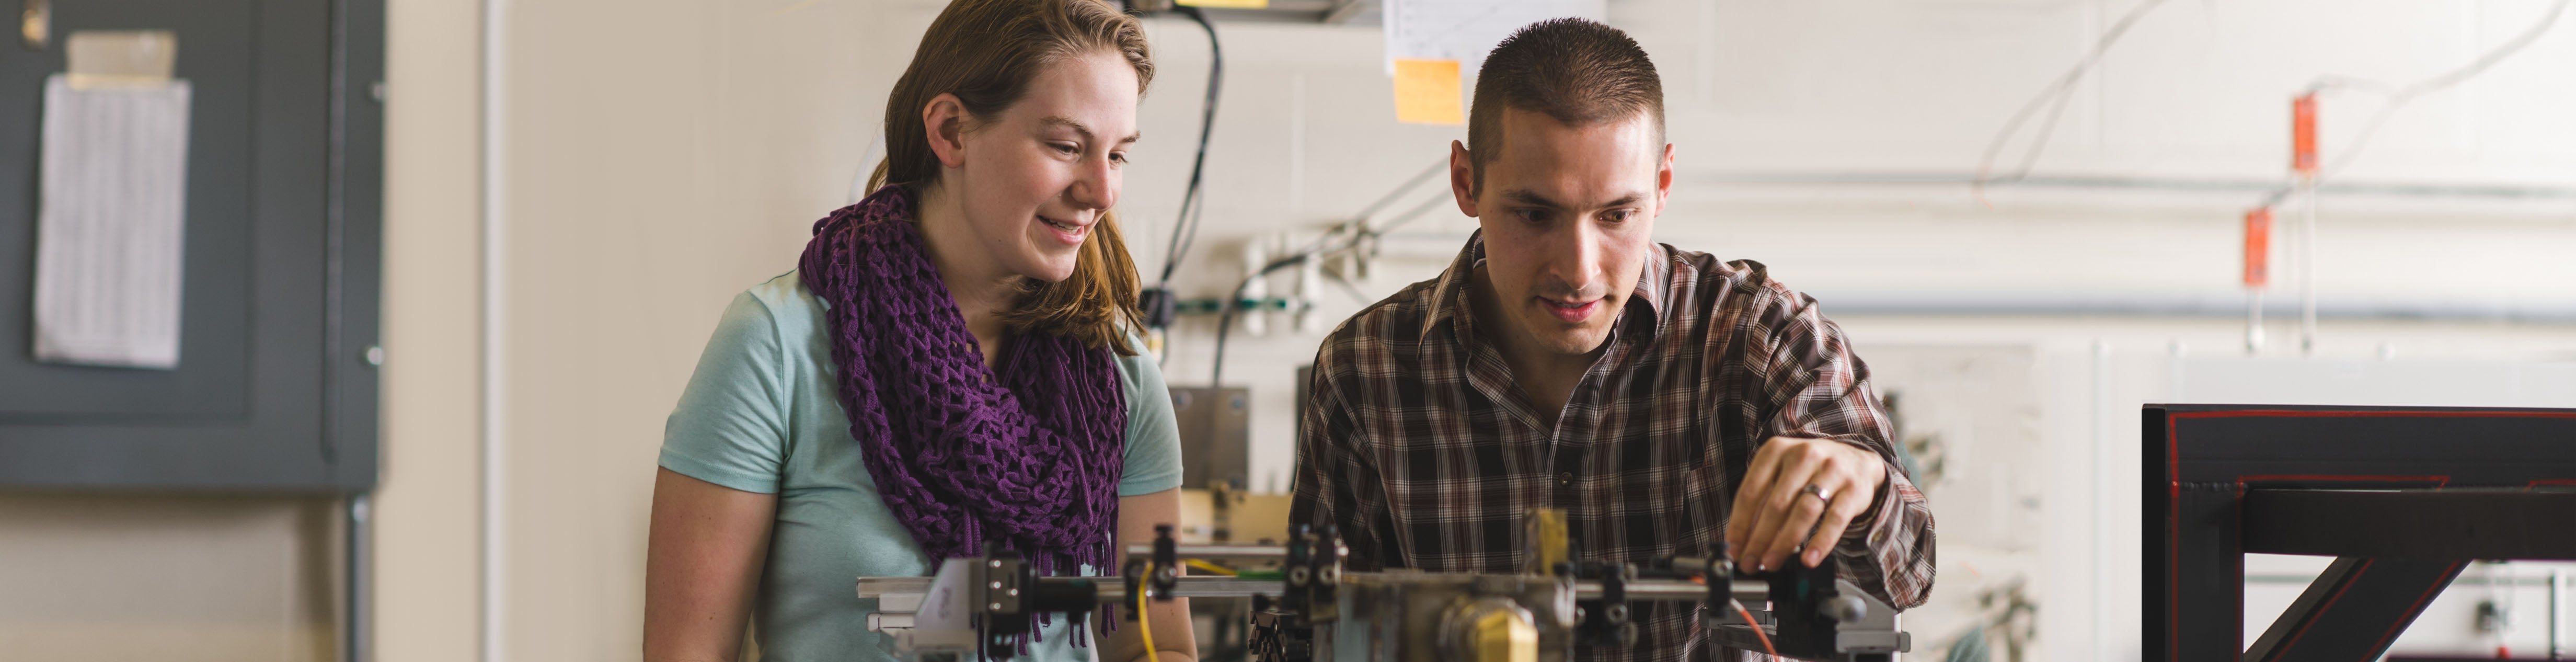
{"points": [[1027, 455]]}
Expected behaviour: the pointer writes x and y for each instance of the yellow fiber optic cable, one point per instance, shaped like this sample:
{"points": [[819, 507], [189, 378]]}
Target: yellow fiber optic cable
{"points": [[1144, 623]]}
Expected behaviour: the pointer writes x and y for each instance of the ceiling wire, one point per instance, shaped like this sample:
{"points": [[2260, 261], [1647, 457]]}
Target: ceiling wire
{"points": [[2055, 97], [2398, 97], [1185, 227]]}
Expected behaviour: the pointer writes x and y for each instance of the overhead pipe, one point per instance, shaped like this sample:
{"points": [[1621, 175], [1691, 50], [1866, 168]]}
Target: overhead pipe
{"points": [[2141, 183], [2187, 305]]}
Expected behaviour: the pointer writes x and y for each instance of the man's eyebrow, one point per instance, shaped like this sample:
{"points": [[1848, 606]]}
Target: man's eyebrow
{"points": [[1067, 122], [1528, 197], [1531, 198]]}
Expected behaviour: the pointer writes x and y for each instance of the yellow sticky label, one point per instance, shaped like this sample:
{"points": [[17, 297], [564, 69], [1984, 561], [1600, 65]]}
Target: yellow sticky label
{"points": [[1226, 4], [1426, 92]]}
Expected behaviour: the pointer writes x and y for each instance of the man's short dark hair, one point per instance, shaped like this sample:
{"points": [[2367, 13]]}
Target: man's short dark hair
{"points": [[1577, 71]]}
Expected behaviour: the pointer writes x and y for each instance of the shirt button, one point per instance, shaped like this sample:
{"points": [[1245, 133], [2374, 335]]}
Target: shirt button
{"points": [[1566, 478]]}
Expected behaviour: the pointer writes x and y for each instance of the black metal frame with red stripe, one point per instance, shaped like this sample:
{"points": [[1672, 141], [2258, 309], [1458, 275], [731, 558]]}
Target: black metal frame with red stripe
{"points": [[2405, 497]]}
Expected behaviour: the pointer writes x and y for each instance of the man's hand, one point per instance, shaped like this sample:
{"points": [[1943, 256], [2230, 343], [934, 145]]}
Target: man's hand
{"points": [[1792, 485]]}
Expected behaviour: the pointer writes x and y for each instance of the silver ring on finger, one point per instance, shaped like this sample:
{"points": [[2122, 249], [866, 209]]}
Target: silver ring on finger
{"points": [[1819, 492]]}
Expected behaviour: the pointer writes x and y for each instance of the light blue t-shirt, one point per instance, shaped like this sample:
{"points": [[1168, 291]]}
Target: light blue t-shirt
{"points": [[762, 414]]}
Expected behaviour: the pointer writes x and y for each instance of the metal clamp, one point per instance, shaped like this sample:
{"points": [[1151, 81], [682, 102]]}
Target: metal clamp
{"points": [[1608, 621], [1314, 571], [1164, 579], [1721, 587], [1167, 563], [999, 582]]}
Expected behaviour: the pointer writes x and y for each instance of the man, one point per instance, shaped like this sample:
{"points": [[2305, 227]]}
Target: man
{"points": [[1664, 400]]}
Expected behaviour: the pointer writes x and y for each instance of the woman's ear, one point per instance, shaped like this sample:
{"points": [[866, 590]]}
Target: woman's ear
{"points": [[944, 121]]}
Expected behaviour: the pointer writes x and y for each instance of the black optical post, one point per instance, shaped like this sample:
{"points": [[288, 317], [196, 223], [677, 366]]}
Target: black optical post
{"points": [[2404, 498]]}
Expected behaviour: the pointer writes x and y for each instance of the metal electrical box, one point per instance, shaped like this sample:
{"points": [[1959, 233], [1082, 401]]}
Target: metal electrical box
{"points": [[1216, 425], [275, 385]]}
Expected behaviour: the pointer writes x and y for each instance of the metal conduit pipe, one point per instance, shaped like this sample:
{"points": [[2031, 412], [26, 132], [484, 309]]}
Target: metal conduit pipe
{"points": [[2557, 584], [2136, 183], [358, 585], [2229, 306], [1257, 554]]}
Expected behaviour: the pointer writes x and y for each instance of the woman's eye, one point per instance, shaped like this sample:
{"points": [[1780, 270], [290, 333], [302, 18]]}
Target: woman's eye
{"points": [[1064, 148], [1118, 158]]}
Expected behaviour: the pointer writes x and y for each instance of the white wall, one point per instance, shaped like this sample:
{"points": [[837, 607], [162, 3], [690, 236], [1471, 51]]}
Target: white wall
{"points": [[658, 158], [426, 509], [157, 576]]}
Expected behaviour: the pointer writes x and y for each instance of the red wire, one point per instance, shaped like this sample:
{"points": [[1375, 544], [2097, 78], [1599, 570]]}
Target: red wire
{"points": [[1757, 629], [1748, 620]]}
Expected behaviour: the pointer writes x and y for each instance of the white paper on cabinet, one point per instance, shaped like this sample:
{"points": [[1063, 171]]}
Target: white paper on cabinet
{"points": [[109, 226]]}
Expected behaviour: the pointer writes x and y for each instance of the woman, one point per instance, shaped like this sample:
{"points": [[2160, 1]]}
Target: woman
{"points": [[946, 367]]}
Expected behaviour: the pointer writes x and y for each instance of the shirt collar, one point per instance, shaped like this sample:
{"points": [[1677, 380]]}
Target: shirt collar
{"points": [[1645, 302]]}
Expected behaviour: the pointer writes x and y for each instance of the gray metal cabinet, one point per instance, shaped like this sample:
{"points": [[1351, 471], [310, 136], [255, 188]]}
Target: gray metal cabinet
{"points": [[274, 391]]}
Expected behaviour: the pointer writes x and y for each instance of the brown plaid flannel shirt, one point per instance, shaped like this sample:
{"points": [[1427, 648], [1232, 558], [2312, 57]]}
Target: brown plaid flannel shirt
{"points": [[1419, 445]]}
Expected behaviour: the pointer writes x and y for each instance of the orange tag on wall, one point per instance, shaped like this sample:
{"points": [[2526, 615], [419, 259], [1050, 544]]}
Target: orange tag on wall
{"points": [[1428, 92], [2258, 247], [2303, 134]]}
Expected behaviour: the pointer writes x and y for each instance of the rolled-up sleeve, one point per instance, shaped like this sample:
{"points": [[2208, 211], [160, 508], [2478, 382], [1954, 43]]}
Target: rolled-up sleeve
{"points": [[1820, 389]]}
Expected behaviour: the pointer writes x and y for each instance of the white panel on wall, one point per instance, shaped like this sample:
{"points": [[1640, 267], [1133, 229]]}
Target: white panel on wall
{"points": [[2400, 382], [1970, 415]]}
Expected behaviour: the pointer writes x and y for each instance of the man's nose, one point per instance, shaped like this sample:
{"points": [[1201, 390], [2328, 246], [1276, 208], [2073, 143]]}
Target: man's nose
{"points": [[1574, 258]]}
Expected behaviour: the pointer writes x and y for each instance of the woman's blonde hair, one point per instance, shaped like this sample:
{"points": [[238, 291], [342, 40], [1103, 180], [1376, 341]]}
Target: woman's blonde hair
{"points": [[985, 52]]}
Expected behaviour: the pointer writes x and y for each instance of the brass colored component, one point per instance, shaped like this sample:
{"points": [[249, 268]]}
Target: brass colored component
{"points": [[1546, 535], [1256, 517], [1505, 637], [1198, 518], [1489, 629], [1222, 515]]}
